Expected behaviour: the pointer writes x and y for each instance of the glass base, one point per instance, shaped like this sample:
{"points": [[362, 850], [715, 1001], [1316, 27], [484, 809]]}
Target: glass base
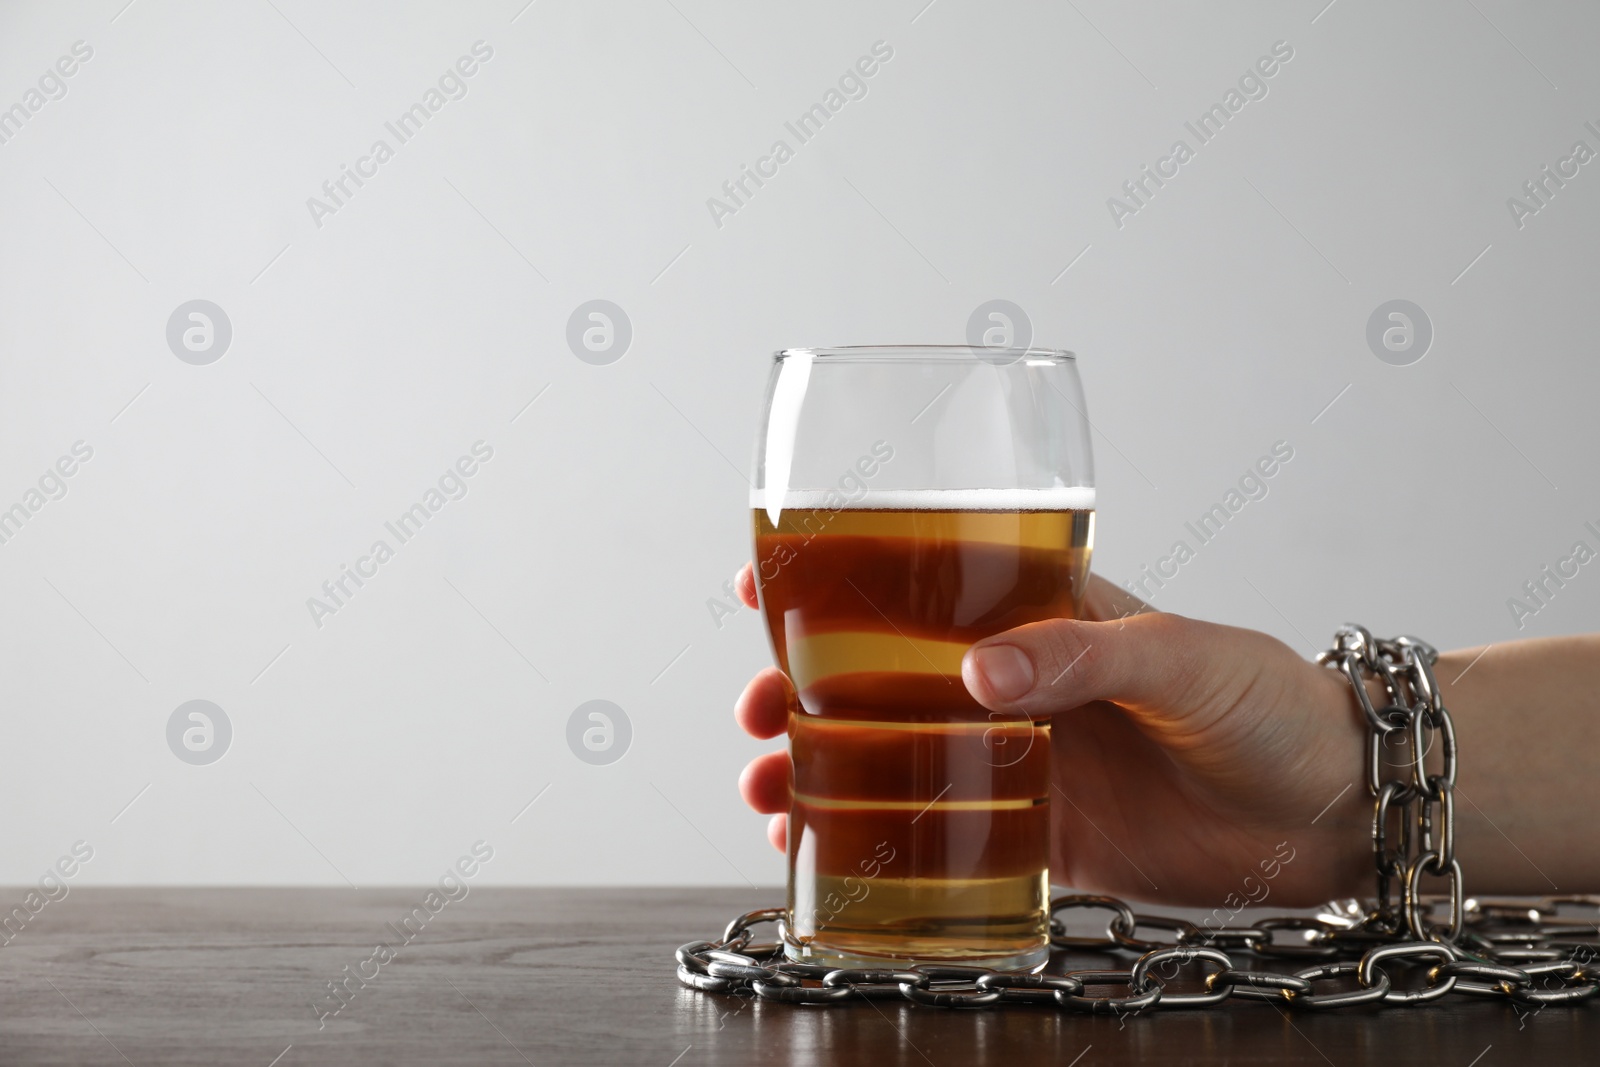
{"points": [[1031, 961]]}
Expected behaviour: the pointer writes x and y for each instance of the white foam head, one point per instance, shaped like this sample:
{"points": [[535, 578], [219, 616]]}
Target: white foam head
{"points": [[1058, 498]]}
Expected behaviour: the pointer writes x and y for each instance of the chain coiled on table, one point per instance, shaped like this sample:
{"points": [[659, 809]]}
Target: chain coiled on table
{"points": [[1529, 954]]}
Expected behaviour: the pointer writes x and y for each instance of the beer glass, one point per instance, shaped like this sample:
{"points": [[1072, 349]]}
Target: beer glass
{"points": [[909, 501]]}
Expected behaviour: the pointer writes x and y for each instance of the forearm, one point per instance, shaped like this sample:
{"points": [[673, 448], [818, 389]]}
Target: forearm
{"points": [[1527, 719]]}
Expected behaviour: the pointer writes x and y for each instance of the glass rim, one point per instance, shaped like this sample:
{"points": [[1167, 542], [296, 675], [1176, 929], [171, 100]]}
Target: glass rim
{"points": [[925, 353]]}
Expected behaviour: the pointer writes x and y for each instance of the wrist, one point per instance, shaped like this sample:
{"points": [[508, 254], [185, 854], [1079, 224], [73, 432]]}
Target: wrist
{"points": [[1338, 852]]}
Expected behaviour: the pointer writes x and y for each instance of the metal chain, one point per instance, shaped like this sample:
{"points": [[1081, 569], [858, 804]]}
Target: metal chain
{"points": [[1527, 953], [1423, 803]]}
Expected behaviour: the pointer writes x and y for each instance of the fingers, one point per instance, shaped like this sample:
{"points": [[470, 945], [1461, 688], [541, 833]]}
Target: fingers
{"points": [[778, 832], [1158, 662], [764, 785], [762, 710], [745, 583]]}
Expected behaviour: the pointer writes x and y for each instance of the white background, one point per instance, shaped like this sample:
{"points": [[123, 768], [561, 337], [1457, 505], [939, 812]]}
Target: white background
{"points": [[372, 351]]}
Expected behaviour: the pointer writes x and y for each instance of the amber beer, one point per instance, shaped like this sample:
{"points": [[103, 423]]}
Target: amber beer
{"points": [[919, 822]]}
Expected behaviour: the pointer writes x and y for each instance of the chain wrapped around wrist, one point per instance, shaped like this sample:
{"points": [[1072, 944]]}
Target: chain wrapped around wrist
{"points": [[1523, 951], [1425, 841]]}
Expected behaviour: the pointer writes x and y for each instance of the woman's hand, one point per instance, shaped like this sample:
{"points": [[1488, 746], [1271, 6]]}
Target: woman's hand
{"points": [[1192, 763]]}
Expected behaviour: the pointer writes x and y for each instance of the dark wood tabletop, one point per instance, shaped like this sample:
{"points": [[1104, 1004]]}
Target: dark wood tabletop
{"points": [[584, 976]]}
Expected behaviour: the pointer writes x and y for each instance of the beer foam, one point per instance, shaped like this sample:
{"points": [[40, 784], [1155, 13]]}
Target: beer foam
{"points": [[1058, 498]]}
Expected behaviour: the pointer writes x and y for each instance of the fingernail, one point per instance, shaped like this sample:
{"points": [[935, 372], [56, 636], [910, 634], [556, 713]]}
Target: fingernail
{"points": [[1006, 670]]}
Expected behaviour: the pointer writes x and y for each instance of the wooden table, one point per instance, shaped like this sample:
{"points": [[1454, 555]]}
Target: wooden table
{"points": [[583, 976]]}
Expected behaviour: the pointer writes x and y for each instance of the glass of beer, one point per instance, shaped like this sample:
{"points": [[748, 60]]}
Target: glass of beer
{"points": [[909, 501]]}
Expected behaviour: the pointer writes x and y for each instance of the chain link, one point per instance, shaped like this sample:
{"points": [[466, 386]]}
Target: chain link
{"points": [[1524, 952]]}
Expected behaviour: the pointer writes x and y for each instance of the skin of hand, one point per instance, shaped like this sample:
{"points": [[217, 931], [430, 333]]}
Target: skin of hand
{"points": [[1191, 763]]}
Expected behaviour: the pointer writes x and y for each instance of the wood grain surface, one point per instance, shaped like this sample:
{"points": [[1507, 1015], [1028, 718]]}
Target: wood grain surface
{"points": [[584, 976]]}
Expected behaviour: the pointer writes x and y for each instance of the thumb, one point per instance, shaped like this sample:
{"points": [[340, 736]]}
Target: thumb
{"points": [[1155, 662]]}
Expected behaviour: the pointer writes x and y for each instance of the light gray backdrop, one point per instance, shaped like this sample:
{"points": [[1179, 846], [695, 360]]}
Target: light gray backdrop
{"points": [[375, 338]]}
